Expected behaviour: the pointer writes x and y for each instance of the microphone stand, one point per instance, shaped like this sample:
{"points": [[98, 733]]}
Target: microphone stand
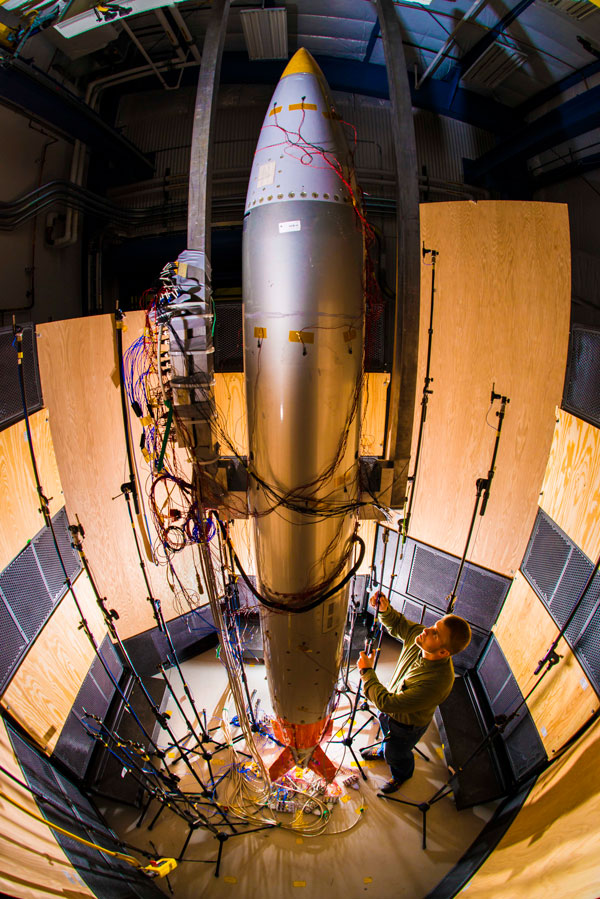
{"points": [[482, 486]]}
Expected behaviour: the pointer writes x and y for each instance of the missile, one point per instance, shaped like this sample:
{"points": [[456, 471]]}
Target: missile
{"points": [[303, 294]]}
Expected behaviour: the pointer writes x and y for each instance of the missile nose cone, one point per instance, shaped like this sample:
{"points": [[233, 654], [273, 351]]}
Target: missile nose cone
{"points": [[302, 63]]}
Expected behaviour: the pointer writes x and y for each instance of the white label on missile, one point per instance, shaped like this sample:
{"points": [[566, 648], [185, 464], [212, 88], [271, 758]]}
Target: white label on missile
{"points": [[266, 174], [284, 227]]}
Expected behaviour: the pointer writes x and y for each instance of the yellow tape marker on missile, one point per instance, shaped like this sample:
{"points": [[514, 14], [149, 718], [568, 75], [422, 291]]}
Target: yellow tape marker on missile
{"points": [[275, 110], [260, 333], [302, 337], [350, 334], [294, 106]]}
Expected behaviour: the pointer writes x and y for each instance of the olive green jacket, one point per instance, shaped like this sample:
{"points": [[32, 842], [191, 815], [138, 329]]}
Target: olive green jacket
{"points": [[418, 685]]}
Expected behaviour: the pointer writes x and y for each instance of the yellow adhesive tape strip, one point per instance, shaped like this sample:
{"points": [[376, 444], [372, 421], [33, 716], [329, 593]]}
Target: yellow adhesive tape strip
{"points": [[294, 106], [350, 334], [299, 883], [261, 333], [230, 880], [301, 337], [275, 110]]}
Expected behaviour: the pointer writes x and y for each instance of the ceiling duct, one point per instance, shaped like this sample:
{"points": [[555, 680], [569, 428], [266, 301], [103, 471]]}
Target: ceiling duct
{"points": [[265, 31], [496, 64], [577, 9]]}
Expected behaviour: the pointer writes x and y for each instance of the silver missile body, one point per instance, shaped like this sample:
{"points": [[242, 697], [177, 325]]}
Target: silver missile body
{"points": [[303, 339]]}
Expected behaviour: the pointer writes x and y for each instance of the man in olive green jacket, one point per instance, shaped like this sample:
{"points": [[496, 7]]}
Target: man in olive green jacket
{"points": [[422, 679]]}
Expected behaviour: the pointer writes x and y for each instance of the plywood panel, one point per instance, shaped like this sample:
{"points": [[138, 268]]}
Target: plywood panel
{"points": [[564, 700], [20, 516], [230, 400], [571, 488], [501, 318], [551, 849], [41, 693], [33, 864], [79, 376], [374, 402]]}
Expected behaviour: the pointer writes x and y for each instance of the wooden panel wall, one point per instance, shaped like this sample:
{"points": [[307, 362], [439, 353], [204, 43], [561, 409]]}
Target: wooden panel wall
{"points": [[79, 379], [551, 849], [230, 397], [230, 400], [20, 518], [564, 700], [571, 488], [501, 317], [45, 686], [33, 864], [79, 374], [374, 401]]}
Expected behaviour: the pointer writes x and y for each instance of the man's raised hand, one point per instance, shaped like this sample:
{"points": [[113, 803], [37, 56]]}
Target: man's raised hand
{"points": [[383, 601]]}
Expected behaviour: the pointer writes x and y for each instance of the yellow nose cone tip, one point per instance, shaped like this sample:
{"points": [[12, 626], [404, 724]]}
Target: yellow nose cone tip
{"points": [[302, 63]]}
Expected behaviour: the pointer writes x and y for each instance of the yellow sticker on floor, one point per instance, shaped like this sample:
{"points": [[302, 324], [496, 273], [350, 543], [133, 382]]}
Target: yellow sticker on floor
{"points": [[299, 840], [230, 880], [367, 880], [345, 798], [299, 883]]}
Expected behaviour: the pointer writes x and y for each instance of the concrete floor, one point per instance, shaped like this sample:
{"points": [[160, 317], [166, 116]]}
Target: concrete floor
{"points": [[372, 846]]}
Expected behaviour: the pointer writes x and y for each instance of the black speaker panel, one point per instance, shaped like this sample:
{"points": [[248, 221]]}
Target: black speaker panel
{"points": [[191, 633], [520, 737], [558, 571], [581, 394], [106, 877], [75, 744], [30, 588], [11, 403], [424, 576]]}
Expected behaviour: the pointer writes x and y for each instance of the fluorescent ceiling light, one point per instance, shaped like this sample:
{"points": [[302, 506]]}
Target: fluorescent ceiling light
{"points": [[88, 20], [265, 31]]}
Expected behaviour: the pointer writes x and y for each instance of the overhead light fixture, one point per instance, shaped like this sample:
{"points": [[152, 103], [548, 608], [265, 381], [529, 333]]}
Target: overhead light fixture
{"points": [[89, 19], [497, 63], [265, 31], [577, 9]]}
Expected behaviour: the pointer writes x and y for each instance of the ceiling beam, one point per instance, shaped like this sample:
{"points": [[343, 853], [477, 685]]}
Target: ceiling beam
{"points": [[26, 87], [575, 117], [559, 87]]}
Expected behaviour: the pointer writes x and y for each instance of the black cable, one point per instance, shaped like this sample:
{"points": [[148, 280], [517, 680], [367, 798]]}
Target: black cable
{"points": [[282, 607], [46, 800]]}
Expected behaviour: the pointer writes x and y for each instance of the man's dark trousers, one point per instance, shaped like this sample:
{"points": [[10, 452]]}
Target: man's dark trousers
{"points": [[399, 742]]}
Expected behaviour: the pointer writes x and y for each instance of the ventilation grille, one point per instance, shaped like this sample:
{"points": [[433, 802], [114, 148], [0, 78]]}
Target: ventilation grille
{"points": [[228, 336], [558, 571], [66, 806], [11, 404], [30, 587], [577, 9], [582, 381], [523, 745]]}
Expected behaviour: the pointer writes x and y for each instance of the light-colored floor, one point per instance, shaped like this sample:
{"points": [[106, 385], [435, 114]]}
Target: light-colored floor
{"points": [[372, 846]]}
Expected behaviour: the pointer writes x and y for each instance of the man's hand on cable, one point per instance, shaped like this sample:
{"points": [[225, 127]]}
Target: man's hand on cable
{"points": [[366, 661], [383, 601]]}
